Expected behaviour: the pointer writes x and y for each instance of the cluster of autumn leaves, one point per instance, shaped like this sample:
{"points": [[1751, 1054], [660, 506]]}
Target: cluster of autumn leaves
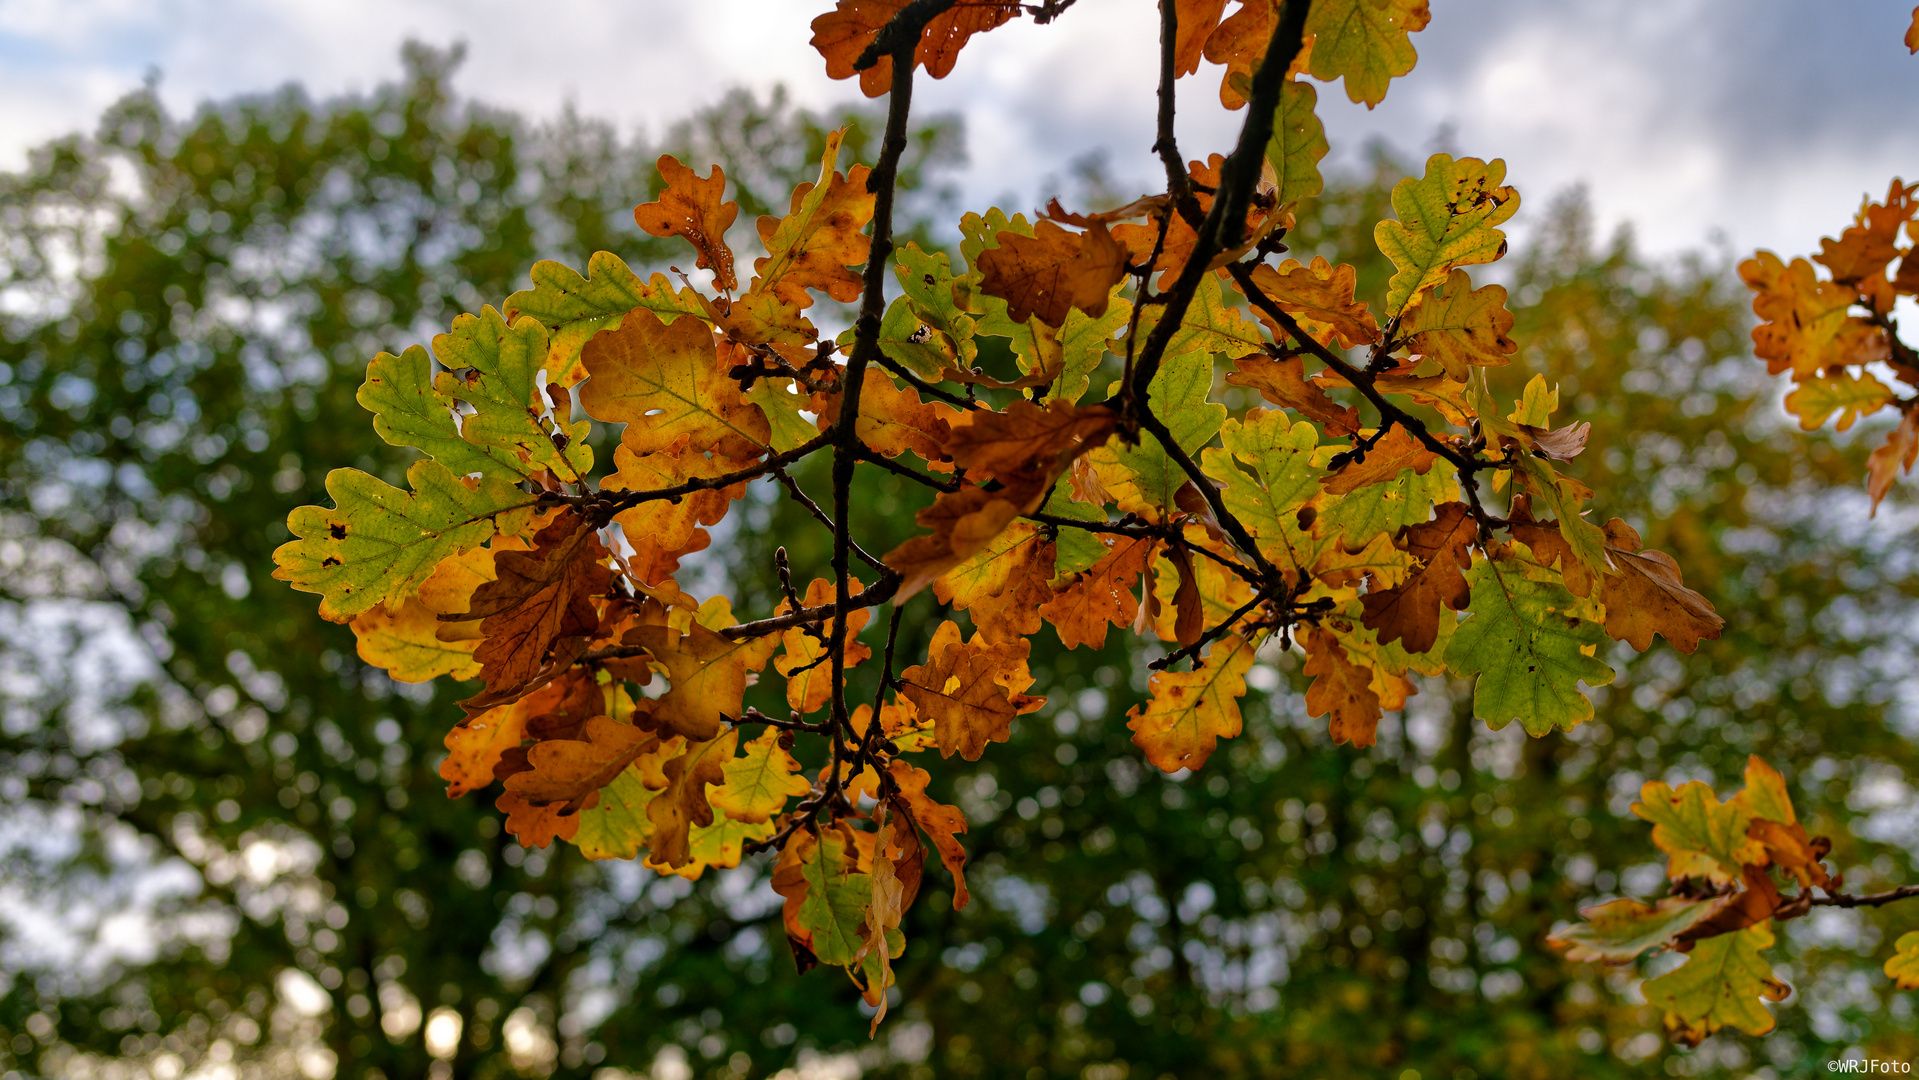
{"points": [[1830, 333], [611, 708], [1726, 861]]}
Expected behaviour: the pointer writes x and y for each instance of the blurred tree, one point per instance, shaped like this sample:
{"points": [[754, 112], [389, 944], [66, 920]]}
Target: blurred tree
{"points": [[189, 764], [188, 309]]}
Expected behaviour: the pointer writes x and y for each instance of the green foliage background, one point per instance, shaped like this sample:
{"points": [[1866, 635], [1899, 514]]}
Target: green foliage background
{"points": [[188, 307]]}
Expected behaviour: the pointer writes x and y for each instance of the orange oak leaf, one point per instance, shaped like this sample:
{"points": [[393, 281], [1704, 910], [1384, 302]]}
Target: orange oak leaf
{"points": [[1646, 596], [893, 419], [662, 530], [536, 826], [665, 383], [683, 803], [475, 747], [1320, 293], [1262, 217], [1460, 326], [693, 208], [539, 599], [1899, 451], [1190, 711], [1342, 688], [970, 690], [570, 771], [1862, 252], [1101, 596], [708, 672], [1410, 613], [1053, 271], [818, 242], [809, 674], [842, 34], [1003, 585], [1805, 323], [941, 823], [1197, 19], [1395, 450], [1284, 383]]}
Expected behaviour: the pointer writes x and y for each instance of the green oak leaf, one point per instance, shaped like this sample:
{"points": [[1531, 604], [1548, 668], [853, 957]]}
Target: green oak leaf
{"points": [[1210, 325], [1407, 499], [1526, 651], [1074, 550], [1364, 41], [927, 281], [1083, 344], [1720, 985], [380, 542], [617, 826], [1298, 142], [496, 370], [407, 411], [574, 308], [1280, 454], [1446, 218], [834, 909], [1145, 476]]}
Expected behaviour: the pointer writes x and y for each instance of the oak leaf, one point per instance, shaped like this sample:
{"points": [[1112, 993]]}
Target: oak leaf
{"points": [[682, 804], [574, 308], [665, 383], [1720, 985], [536, 826], [1322, 295], [1645, 595], [941, 823], [1365, 42], [1899, 451], [1101, 596], [1411, 611], [708, 673], [1395, 450], [694, 208], [1284, 383], [570, 771], [539, 598], [806, 663], [1028, 445], [1806, 324], [1460, 326], [818, 242], [842, 34], [1298, 142], [1145, 479], [970, 690], [1849, 395], [1701, 836], [759, 781], [1190, 711], [1903, 968], [405, 642], [1196, 21], [493, 370], [661, 531], [380, 542], [1447, 218], [1341, 688], [1053, 271], [1004, 584], [1529, 653], [476, 746], [1619, 931]]}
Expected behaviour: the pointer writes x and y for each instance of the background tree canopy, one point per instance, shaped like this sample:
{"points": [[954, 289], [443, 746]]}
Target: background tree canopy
{"points": [[227, 846]]}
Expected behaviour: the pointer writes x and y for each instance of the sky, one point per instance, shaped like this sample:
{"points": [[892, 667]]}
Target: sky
{"points": [[1703, 123]]}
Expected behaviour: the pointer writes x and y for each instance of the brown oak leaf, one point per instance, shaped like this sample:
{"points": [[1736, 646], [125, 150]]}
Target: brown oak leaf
{"points": [[970, 690], [1053, 271], [941, 823], [1410, 612], [1284, 383], [1342, 688], [842, 34]]}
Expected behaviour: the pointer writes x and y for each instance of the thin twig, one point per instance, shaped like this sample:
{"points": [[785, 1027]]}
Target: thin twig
{"points": [[873, 457]]}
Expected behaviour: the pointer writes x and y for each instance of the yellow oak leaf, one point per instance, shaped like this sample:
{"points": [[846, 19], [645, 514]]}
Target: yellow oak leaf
{"points": [[809, 674], [1461, 326], [682, 804], [1701, 836], [1447, 218], [662, 530], [1190, 711], [665, 383], [818, 242], [759, 781], [406, 643], [1720, 985]]}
